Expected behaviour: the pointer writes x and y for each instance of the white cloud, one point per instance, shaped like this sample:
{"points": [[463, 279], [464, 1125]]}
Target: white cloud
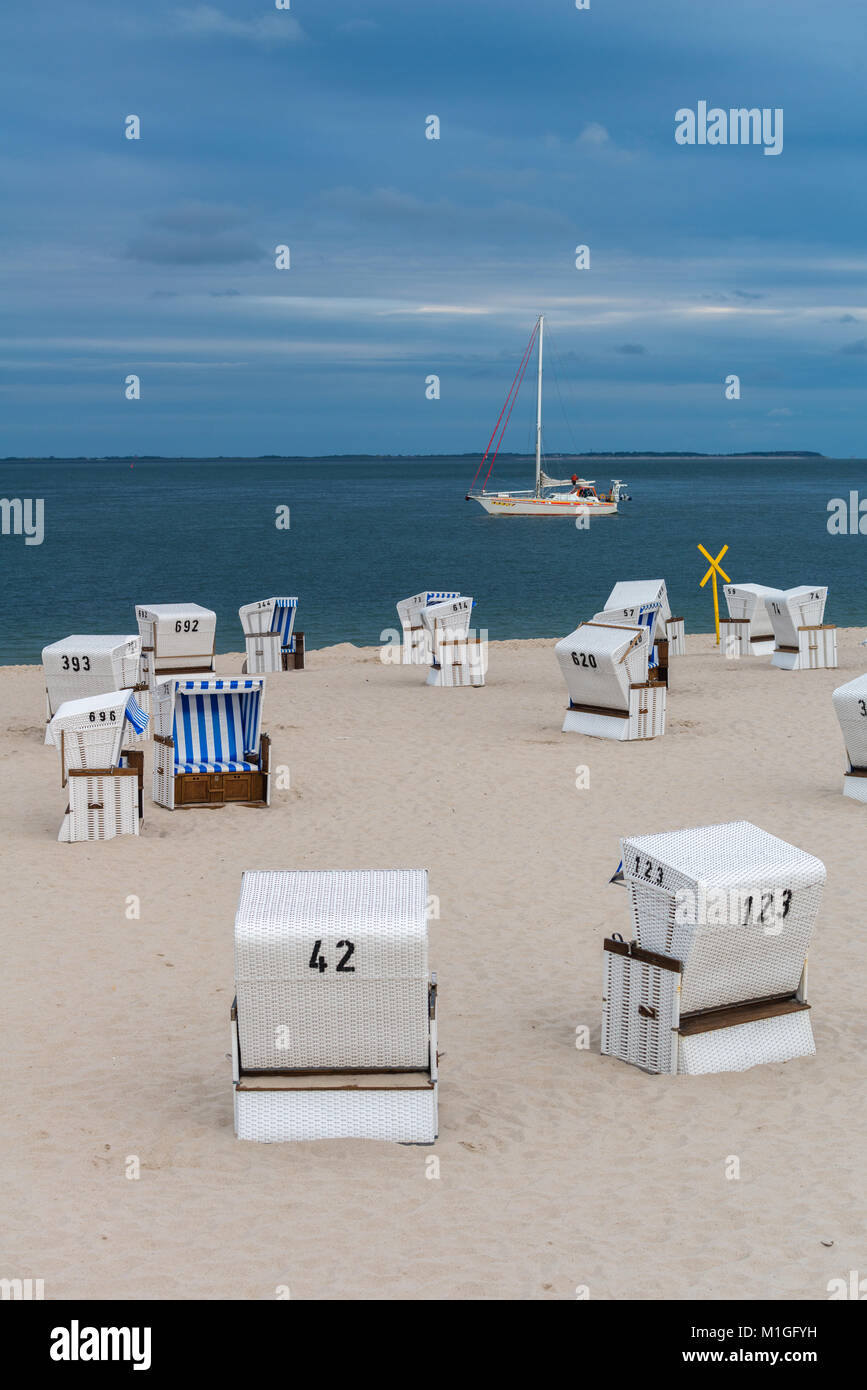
{"points": [[594, 134], [206, 21]]}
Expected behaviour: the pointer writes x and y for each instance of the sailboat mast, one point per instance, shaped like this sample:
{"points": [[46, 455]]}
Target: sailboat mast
{"points": [[539, 411]]}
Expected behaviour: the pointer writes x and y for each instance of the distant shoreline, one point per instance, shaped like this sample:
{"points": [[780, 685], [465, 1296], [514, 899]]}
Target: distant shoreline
{"points": [[631, 456]]}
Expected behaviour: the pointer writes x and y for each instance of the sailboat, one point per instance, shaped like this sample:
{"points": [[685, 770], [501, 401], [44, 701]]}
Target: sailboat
{"points": [[550, 496]]}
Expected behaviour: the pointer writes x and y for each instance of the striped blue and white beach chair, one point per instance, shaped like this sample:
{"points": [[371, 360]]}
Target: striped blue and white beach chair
{"points": [[270, 637], [209, 748], [103, 778]]}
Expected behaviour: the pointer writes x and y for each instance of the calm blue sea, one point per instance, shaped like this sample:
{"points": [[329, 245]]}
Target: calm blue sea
{"points": [[365, 533]]}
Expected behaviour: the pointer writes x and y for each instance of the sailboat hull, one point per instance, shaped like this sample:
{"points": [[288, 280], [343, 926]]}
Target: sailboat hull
{"points": [[504, 505]]}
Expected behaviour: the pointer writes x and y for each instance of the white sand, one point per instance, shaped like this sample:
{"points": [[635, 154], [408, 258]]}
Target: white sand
{"points": [[558, 1167]]}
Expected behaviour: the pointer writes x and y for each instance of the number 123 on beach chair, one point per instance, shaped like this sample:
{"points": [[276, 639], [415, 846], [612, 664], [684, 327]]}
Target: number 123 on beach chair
{"points": [[715, 978], [209, 749], [334, 1020]]}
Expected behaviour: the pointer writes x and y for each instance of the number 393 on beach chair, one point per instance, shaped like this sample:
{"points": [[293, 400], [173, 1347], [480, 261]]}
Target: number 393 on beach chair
{"points": [[605, 668], [208, 746], [850, 707], [90, 664], [416, 643], [457, 655], [270, 637], [334, 1019], [803, 641], [175, 638], [716, 976], [104, 781]]}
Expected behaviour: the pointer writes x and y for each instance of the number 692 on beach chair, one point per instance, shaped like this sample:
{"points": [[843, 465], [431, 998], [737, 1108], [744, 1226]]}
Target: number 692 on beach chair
{"points": [[334, 1019]]}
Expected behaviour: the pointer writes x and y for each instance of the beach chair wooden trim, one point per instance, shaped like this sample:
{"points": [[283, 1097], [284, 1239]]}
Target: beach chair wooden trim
{"points": [[631, 948], [213, 781], [751, 1011], [600, 709]]}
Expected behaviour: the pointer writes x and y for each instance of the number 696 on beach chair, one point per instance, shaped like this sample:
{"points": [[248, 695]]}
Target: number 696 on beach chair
{"points": [[104, 782], [334, 1019]]}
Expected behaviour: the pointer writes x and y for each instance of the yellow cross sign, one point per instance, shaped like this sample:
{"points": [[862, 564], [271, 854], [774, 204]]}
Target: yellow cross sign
{"points": [[715, 569]]}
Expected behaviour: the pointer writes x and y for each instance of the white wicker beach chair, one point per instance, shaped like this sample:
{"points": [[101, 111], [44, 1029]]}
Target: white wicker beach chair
{"points": [[606, 671], [175, 637], [270, 637], [209, 748], [104, 780], [457, 656], [802, 641], [89, 664], [747, 631], [638, 593], [716, 976], [850, 707], [334, 1019], [416, 639]]}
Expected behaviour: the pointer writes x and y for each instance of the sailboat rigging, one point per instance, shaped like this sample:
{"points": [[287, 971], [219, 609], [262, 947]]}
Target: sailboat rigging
{"points": [[550, 496]]}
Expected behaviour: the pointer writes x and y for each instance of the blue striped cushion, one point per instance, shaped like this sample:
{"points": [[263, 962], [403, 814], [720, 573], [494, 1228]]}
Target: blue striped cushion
{"points": [[228, 766]]}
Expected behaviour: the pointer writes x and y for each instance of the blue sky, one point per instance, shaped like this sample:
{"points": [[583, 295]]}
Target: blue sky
{"points": [[413, 257]]}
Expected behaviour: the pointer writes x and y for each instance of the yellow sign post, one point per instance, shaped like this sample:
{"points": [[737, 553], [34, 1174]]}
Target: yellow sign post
{"points": [[715, 569]]}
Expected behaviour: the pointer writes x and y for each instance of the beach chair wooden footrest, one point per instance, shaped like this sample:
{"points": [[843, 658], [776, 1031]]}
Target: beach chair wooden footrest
{"points": [[396, 1106]]}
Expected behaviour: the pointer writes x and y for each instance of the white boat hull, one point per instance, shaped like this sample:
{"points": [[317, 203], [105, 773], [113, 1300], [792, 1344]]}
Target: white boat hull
{"points": [[504, 505]]}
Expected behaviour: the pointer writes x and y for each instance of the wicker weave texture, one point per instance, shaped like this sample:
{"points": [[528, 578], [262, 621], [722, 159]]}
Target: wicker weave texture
{"points": [[747, 1045], [675, 632], [87, 664], [632, 985], [790, 609], [733, 903], [403, 1117], [100, 808], [264, 653], [372, 1013], [850, 707], [855, 787], [647, 709], [599, 662], [631, 593], [749, 601]]}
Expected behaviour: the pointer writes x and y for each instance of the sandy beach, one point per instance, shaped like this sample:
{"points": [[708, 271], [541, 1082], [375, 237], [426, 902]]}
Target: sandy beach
{"points": [[559, 1169]]}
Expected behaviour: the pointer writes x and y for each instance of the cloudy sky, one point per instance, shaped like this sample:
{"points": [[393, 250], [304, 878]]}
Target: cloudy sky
{"points": [[411, 257]]}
